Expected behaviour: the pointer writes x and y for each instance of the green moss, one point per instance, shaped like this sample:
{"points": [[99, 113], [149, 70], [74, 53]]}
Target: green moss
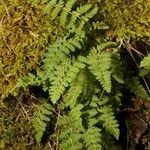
{"points": [[24, 33], [129, 19]]}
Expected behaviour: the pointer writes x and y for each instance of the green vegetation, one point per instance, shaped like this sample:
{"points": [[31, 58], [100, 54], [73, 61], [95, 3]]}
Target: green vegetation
{"points": [[70, 63]]}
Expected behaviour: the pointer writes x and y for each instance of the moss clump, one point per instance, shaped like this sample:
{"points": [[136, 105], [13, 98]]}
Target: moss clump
{"points": [[129, 18], [24, 33], [16, 130]]}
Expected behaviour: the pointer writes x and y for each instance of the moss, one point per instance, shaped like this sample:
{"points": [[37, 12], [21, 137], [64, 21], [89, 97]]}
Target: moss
{"points": [[129, 19], [23, 39], [16, 130]]}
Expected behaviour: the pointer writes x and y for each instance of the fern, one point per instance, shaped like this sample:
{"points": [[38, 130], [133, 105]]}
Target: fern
{"points": [[28, 80], [116, 67], [40, 118], [100, 64], [145, 63], [135, 87], [107, 116], [92, 139], [71, 129], [67, 17], [66, 10]]}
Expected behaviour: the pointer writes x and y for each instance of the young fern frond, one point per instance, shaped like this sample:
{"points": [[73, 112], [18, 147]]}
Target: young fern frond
{"points": [[133, 84], [40, 118]]}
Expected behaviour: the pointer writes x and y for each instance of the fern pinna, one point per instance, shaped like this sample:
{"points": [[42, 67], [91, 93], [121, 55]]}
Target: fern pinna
{"points": [[83, 81]]}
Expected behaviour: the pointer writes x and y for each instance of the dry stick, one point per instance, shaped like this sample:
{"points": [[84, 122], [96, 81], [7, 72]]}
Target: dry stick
{"points": [[50, 146]]}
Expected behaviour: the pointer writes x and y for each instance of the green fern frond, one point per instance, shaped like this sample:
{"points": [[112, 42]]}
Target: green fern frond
{"points": [[50, 6], [28, 80], [92, 139], [63, 76], [66, 10], [133, 84], [77, 15], [57, 9], [109, 121], [145, 63], [70, 99], [99, 65], [58, 52], [91, 13], [40, 118], [71, 129]]}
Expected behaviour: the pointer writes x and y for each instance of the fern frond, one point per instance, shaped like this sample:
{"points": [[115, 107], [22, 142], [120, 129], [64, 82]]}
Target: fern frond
{"points": [[57, 9], [40, 118], [99, 65], [109, 121], [58, 52], [71, 129], [100, 25], [66, 10], [91, 13], [50, 6], [73, 93], [77, 14], [133, 84], [63, 76], [145, 63], [92, 139], [28, 80]]}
